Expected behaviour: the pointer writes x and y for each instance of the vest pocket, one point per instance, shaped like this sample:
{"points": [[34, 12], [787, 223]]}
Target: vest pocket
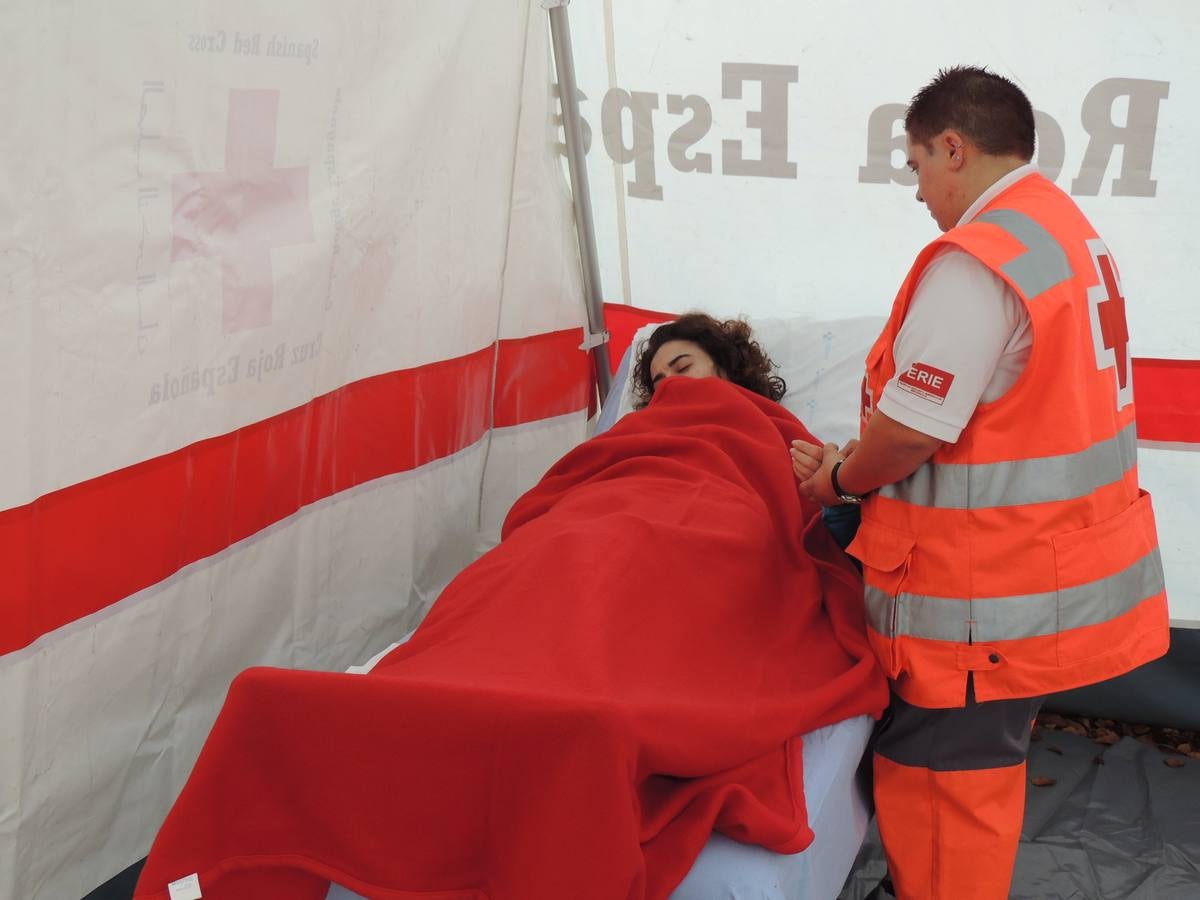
{"points": [[1102, 572], [886, 555]]}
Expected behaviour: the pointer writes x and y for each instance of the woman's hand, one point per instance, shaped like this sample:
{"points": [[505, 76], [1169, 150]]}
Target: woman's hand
{"points": [[806, 459], [811, 464]]}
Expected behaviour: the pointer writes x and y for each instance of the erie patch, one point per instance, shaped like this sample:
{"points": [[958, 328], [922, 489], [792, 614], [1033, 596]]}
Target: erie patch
{"points": [[926, 382]]}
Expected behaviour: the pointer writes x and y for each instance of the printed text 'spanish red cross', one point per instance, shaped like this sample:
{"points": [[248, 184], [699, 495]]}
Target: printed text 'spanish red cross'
{"points": [[239, 215], [1113, 328]]}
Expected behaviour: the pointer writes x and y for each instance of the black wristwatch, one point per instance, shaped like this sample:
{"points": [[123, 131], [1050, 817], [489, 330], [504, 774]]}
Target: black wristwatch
{"points": [[837, 488]]}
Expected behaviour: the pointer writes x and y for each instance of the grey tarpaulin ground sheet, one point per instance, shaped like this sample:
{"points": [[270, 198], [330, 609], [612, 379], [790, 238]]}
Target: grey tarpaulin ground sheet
{"points": [[1117, 824], [1165, 690]]}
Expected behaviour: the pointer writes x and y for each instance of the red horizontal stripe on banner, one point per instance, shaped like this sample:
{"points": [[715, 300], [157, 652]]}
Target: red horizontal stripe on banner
{"points": [[542, 376], [75, 551], [1167, 394]]}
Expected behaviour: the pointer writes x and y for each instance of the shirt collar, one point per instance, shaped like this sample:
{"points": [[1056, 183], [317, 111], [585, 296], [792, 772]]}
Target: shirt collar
{"points": [[990, 194]]}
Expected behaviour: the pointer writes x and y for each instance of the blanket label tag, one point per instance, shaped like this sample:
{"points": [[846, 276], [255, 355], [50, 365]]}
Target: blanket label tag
{"points": [[185, 888]]}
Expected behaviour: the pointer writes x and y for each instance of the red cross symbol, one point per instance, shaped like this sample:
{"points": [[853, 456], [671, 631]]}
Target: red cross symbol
{"points": [[1113, 329], [238, 216], [867, 401]]}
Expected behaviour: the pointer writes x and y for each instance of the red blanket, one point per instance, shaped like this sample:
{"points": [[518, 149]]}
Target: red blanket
{"points": [[626, 672]]}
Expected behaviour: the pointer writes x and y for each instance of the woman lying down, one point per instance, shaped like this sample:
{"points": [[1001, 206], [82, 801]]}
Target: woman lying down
{"points": [[627, 671]]}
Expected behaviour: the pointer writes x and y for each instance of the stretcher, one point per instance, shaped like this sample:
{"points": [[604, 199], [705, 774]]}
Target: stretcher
{"points": [[822, 363]]}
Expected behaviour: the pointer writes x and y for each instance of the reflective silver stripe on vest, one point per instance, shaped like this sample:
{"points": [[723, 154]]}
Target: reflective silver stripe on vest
{"points": [[1021, 616], [1039, 480], [1044, 262]]}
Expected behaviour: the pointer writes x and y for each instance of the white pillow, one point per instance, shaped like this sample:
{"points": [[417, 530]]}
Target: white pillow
{"points": [[820, 359]]}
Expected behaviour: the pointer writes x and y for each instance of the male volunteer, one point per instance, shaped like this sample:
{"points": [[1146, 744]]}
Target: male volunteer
{"points": [[1007, 550]]}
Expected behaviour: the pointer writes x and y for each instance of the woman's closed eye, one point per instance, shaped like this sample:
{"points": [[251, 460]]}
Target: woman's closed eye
{"points": [[680, 358]]}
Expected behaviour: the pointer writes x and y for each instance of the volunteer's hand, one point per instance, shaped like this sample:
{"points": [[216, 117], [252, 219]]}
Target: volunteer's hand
{"points": [[850, 446]]}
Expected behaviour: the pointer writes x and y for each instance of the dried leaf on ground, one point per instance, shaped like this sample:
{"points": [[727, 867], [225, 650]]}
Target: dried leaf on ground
{"points": [[1042, 781], [1109, 731]]}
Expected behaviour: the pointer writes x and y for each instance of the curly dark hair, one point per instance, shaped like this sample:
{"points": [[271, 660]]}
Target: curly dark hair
{"points": [[739, 358]]}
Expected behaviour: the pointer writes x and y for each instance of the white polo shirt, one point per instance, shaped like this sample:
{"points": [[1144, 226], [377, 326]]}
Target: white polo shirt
{"points": [[965, 322]]}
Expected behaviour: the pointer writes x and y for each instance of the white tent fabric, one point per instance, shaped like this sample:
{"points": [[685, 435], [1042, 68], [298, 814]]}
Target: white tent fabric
{"points": [[251, 228], [748, 159], [233, 230]]}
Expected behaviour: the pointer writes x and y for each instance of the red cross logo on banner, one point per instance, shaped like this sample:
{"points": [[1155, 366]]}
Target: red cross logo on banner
{"points": [[238, 216], [1110, 332]]}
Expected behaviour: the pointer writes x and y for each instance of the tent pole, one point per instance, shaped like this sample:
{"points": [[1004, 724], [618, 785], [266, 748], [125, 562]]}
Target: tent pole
{"points": [[596, 339]]}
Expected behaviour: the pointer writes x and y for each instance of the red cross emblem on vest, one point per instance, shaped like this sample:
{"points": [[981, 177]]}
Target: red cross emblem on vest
{"points": [[1110, 332]]}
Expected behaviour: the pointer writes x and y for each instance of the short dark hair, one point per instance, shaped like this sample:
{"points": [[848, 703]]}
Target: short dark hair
{"points": [[987, 108], [739, 358]]}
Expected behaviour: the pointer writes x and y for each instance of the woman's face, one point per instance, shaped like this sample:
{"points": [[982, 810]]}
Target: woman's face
{"points": [[685, 358]]}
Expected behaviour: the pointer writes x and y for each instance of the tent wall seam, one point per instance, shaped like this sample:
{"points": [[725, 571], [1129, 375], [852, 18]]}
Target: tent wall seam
{"points": [[512, 184]]}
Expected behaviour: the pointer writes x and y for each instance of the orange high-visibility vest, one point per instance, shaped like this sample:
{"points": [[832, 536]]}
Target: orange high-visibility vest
{"points": [[1025, 552]]}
